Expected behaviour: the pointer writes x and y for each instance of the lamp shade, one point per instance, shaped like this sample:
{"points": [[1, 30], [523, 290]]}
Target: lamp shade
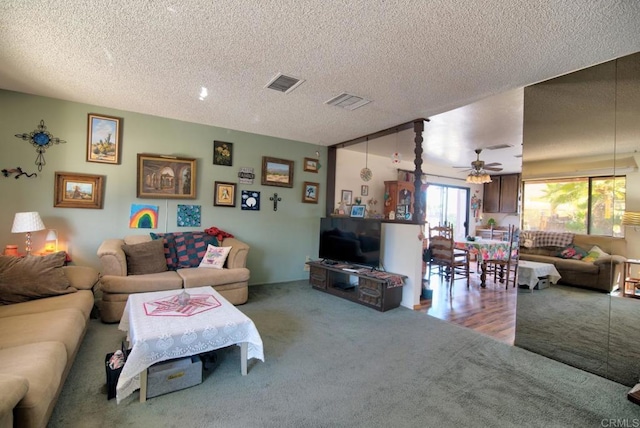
{"points": [[478, 177], [27, 222], [631, 218]]}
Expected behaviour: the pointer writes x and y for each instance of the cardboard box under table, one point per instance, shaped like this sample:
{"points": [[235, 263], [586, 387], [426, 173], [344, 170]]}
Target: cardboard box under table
{"points": [[537, 275], [162, 327], [174, 375]]}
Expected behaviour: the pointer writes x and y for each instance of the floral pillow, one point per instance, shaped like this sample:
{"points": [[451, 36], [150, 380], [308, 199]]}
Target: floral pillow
{"points": [[572, 252], [215, 257]]}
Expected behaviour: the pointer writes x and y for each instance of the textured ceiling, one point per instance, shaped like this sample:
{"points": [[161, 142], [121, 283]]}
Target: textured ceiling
{"points": [[412, 58]]}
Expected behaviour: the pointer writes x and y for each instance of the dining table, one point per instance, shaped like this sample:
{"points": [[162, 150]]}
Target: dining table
{"points": [[487, 250]]}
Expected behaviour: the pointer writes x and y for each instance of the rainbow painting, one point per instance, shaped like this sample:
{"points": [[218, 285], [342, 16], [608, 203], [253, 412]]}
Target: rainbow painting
{"points": [[143, 216]]}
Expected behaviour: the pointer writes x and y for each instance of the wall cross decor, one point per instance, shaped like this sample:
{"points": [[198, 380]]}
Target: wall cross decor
{"points": [[41, 139], [275, 200]]}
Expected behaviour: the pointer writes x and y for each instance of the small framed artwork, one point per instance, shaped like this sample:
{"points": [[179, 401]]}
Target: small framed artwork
{"points": [[364, 190], [277, 172], [346, 197], [224, 194], [311, 165], [250, 200], [73, 190], [166, 177], [310, 192], [222, 153], [103, 138], [357, 211]]}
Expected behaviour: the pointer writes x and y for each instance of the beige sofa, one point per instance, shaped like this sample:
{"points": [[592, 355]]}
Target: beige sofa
{"points": [[39, 340], [604, 273], [232, 282]]}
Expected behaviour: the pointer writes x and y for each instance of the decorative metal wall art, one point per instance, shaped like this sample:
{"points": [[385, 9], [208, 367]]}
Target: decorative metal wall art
{"points": [[18, 172], [275, 200], [41, 139]]}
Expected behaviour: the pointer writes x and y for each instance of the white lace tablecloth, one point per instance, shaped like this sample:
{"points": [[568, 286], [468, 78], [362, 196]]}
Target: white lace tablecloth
{"points": [[530, 272], [160, 335]]}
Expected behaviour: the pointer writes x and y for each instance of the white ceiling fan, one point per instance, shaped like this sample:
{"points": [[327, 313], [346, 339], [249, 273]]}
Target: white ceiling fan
{"points": [[479, 165]]}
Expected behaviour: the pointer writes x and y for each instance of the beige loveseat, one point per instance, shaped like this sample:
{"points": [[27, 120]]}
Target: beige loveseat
{"points": [[232, 282], [603, 273], [39, 340]]}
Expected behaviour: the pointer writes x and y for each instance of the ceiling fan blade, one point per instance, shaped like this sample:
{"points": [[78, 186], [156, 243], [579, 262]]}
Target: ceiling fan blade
{"points": [[491, 168], [492, 164]]}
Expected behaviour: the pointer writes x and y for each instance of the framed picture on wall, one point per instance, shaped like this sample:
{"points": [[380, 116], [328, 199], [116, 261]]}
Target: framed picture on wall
{"points": [[166, 177], [310, 192], [311, 165], [222, 153], [364, 190], [346, 197], [104, 135], [72, 190], [224, 194], [277, 172]]}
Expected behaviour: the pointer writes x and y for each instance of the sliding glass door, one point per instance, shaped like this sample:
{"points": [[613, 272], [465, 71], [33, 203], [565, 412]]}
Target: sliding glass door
{"points": [[448, 204]]}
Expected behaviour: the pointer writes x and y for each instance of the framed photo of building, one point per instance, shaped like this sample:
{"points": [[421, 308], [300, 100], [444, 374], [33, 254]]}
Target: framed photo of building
{"points": [[166, 177]]}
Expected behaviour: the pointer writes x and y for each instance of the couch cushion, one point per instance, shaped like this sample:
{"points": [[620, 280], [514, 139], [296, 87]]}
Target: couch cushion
{"points": [[145, 258], [82, 300], [62, 325], [42, 365], [81, 277], [168, 280], [196, 277], [32, 277], [576, 266]]}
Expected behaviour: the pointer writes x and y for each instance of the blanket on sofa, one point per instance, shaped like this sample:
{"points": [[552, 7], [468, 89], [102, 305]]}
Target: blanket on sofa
{"points": [[542, 238]]}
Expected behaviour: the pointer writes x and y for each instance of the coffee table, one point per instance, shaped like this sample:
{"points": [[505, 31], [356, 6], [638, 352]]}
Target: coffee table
{"points": [[160, 328], [529, 273]]}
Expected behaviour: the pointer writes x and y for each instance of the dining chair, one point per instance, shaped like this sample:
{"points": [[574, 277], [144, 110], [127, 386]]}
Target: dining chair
{"points": [[506, 270], [454, 264]]}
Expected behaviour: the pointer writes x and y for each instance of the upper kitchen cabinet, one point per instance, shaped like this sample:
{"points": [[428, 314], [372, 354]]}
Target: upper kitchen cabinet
{"points": [[501, 195]]}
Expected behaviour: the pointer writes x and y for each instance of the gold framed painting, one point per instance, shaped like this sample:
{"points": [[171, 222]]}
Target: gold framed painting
{"points": [[73, 190], [166, 177], [277, 172], [311, 165], [224, 194], [104, 138]]}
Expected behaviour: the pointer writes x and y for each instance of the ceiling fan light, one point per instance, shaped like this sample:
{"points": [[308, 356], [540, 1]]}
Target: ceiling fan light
{"points": [[478, 177]]}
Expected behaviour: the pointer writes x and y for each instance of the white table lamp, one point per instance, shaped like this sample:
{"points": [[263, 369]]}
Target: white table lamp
{"points": [[26, 223]]}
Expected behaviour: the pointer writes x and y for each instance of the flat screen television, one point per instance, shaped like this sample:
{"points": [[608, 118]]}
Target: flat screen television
{"points": [[351, 240]]}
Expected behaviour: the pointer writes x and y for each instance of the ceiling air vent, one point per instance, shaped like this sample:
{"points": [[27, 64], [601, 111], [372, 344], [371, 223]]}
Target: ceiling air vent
{"points": [[282, 83], [348, 101], [498, 147]]}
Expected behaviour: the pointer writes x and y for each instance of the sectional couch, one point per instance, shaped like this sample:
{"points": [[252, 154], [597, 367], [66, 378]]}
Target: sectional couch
{"points": [[119, 279], [574, 259], [40, 336]]}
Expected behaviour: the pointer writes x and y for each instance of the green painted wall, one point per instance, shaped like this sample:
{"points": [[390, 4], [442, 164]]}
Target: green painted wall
{"points": [[279, 240]]}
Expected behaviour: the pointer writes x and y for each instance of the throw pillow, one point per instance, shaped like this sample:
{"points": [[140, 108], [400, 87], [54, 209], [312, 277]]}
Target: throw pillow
{"points": [[215, 257], [146, 257], [591, 257], [32, 277], [600, 252], [572, 252], [191, 247]]}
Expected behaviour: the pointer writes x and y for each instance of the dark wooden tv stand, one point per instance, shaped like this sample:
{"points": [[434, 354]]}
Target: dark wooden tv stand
{"points": [[369, 291]]}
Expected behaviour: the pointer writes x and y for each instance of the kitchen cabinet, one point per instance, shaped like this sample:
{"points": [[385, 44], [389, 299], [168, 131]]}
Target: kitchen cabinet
{"points": [[502, 194]]}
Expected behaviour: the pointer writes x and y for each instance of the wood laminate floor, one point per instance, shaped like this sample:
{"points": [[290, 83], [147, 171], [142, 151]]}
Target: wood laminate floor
{"points": [[490, 311]]}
